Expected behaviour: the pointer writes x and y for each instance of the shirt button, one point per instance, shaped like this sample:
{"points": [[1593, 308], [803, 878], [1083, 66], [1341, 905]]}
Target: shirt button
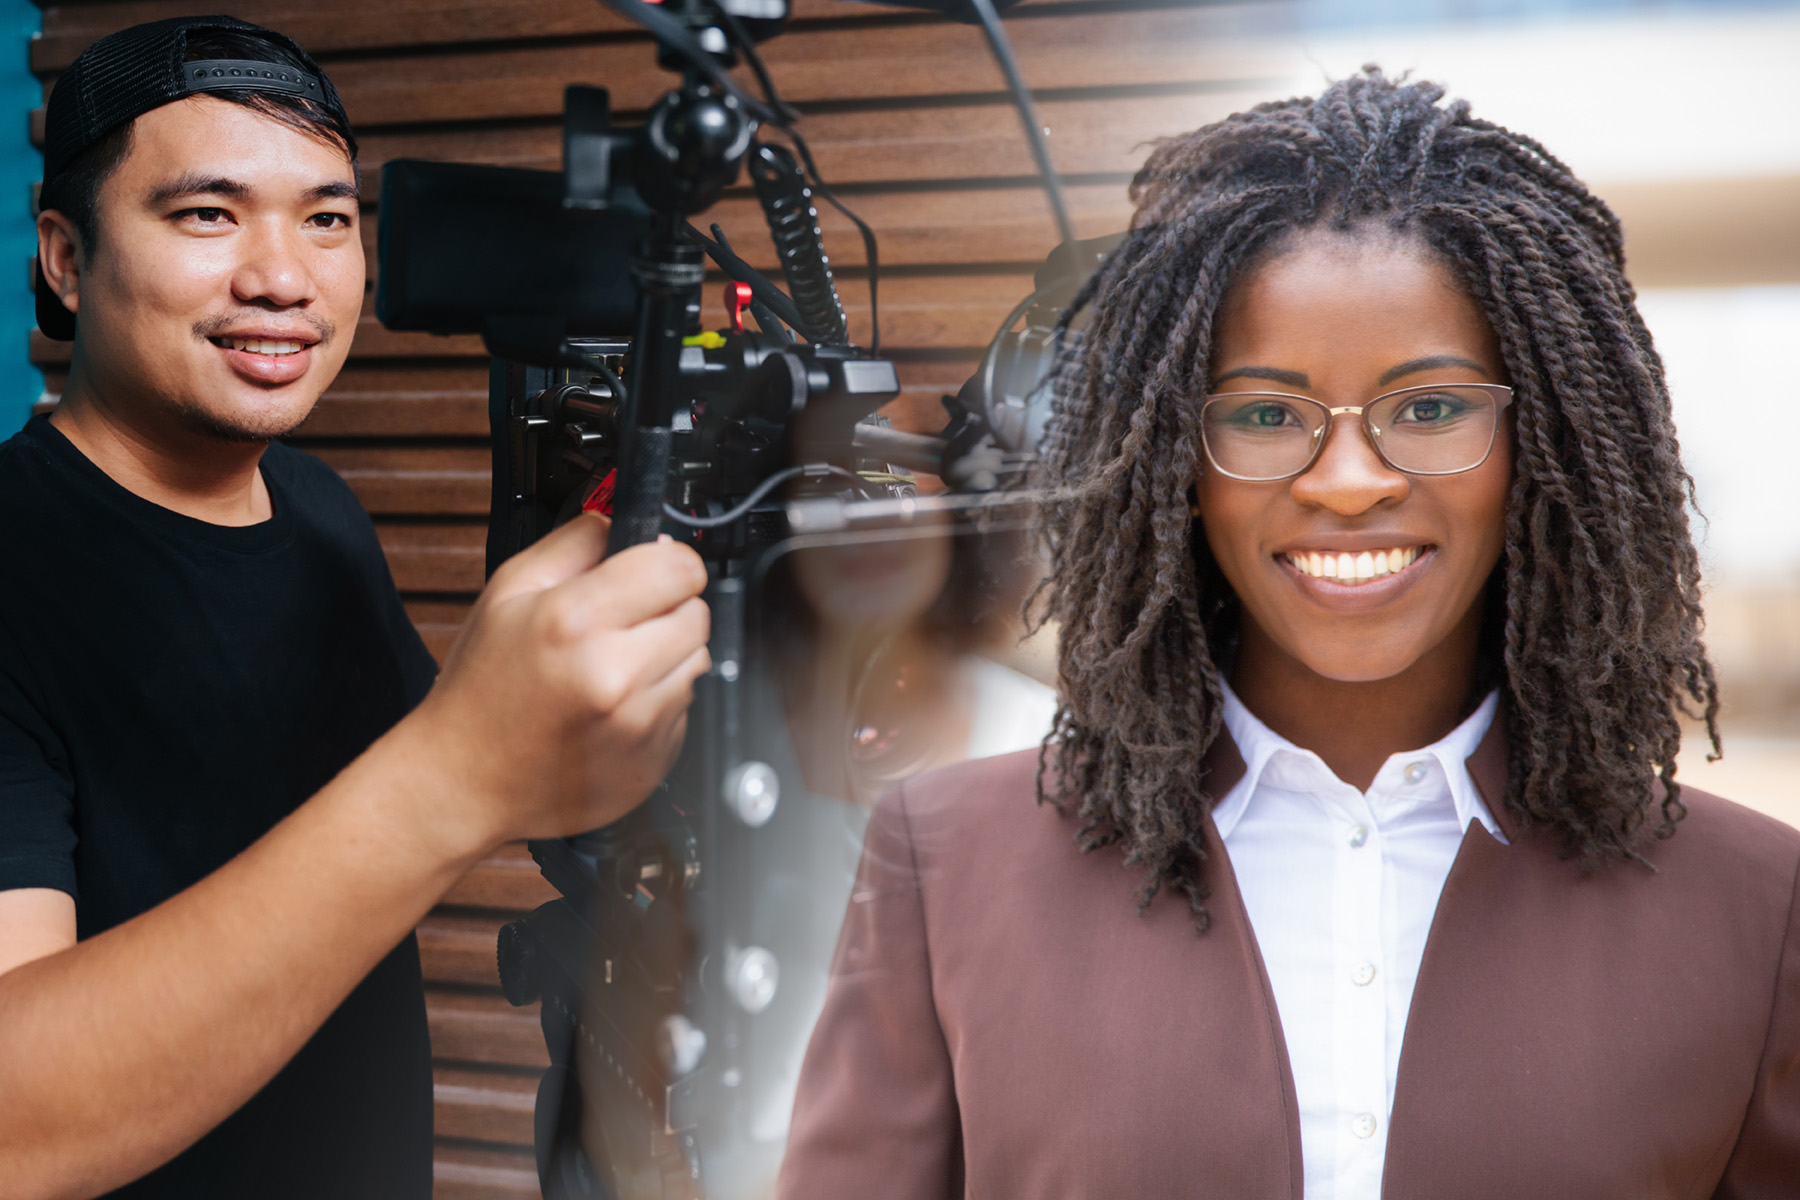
{"points": [[1358, 836], [1363, 975], [1415, 772], [1363, 1125]]}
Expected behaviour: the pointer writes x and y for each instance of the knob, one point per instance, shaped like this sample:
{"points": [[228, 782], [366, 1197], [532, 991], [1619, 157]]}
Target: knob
{"points": [[752, 790], [681, 1043], [751, 976], [517, 954]]}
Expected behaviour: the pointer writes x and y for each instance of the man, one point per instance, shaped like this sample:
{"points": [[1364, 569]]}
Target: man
{"points": [[218, 824]]}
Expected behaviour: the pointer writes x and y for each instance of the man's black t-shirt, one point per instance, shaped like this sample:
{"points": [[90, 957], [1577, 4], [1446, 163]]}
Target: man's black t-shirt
{"points": [[169, 691]]}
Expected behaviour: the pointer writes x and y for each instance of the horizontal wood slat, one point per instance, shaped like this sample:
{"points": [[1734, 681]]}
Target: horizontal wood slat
{"points": [[438, 622], [462, 1173], [912, 60], [325, 27], [415, 480], [507, 878], [484, 1029], [455, 948], [435, 558], [965, 141], [403, 400], [483, 1105]]}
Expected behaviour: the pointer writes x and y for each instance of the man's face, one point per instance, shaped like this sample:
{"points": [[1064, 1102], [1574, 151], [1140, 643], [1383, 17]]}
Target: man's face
{"points": [[228, 278]]}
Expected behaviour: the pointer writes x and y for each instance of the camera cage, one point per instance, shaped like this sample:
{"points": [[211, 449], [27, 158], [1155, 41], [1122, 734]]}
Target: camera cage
{"points": [[606, 394]]}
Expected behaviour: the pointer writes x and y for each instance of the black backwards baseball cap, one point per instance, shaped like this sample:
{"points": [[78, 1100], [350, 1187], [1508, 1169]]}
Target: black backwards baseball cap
{"points": [[128, 73]]}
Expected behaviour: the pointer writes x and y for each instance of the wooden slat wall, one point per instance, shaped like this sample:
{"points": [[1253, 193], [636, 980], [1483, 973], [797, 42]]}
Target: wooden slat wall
{"points": [[905, 112]]}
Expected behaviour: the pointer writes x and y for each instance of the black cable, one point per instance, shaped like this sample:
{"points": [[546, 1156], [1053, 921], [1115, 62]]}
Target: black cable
{"points": [[747, 46], [1034, 129], [767, 321], [678, 37], [777, 104], [756, 497], [760, 287], [868, 236]]}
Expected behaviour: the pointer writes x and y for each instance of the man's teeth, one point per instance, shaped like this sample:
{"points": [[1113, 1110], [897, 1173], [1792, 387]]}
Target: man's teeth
{"points": [[1354, 568], [259, 346]]}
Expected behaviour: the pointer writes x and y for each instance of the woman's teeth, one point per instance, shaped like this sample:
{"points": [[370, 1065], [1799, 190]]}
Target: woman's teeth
{"points": [[259, 346], [1354, 568]]}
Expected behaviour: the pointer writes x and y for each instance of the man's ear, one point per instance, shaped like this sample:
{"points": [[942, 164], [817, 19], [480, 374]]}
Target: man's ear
{"points": [[60, 254]]}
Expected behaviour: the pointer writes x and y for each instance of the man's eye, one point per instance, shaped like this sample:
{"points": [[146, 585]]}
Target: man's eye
{"points": [[329, 220], [208, 216]]}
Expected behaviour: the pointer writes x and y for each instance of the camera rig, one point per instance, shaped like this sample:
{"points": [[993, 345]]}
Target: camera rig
{"points": [[606, 393]]}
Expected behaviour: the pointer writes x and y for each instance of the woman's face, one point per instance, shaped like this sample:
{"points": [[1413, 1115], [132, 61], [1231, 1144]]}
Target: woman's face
{"points": [[1343, 318]]}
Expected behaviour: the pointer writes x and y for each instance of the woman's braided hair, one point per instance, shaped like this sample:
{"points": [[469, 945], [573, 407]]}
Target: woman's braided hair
{"points": [[1594, 613]]}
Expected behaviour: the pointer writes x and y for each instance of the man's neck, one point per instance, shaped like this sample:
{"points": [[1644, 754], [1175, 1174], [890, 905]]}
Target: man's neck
{"points": [[187, 471]]}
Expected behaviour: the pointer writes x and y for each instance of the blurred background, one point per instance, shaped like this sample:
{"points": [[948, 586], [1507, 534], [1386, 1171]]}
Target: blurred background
{"points": [[1682, 114]]}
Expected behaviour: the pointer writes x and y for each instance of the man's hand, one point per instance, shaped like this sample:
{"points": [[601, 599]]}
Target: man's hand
{"points": [[565, 699]]}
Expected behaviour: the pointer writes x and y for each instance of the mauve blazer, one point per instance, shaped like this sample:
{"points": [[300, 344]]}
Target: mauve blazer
{"points": [[1001, 1022]]}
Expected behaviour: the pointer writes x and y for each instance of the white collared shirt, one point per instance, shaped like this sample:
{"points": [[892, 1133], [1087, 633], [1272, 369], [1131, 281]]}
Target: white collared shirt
{"points": [[1340, 886]]}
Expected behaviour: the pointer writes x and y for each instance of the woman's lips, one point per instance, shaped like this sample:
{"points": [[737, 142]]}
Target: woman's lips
{"points": [[1360, 594], [266, 360]]}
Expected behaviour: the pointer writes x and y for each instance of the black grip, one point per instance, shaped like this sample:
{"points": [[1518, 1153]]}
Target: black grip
{"points": [[794, 226], [643, 487]]}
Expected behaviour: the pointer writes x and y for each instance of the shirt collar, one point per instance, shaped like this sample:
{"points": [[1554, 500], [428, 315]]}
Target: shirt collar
{"points": [[1258, 744]]}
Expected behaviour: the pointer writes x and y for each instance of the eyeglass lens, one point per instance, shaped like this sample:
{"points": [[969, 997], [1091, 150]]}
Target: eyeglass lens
{"points": [[1432, 431]]}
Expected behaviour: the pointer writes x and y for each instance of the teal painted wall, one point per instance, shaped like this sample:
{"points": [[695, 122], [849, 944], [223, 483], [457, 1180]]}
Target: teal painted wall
{"points": [[20, 166]]}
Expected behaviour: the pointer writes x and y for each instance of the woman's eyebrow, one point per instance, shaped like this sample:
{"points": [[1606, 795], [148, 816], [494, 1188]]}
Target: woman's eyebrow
{"points": [[1274, 374], [1429, 362]]}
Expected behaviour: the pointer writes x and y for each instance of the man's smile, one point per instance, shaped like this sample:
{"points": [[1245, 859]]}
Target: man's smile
{"points": [[270, 356]]}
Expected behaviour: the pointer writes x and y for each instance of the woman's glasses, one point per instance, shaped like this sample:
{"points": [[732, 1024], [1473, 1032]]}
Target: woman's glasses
{"points": [[1434, 429]]}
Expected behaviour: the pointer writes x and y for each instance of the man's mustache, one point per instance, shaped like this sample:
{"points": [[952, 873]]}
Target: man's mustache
{"points": [[314, 328]]}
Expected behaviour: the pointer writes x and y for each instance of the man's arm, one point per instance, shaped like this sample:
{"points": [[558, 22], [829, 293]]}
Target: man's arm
{"points": [[560, 707]]}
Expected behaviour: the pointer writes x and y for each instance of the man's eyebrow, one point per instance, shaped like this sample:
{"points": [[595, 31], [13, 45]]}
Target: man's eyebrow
{"points": [[1274, 374], [1428, 363], [341, 189], [194, 183]]}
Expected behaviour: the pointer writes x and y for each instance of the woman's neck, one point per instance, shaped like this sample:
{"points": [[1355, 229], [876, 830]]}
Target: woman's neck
{"points": [[1355, 726]]}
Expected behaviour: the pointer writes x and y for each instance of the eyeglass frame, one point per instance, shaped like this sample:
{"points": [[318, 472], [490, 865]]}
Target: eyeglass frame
{"points": [[1370, 432]]}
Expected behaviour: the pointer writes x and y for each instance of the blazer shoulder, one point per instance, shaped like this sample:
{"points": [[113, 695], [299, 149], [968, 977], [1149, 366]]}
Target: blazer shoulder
{"points": [[1725, 848], [1727, 825], [974, 808]]}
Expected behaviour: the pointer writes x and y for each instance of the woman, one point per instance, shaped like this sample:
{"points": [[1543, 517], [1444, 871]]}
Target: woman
{"points": [[1377, 606]]}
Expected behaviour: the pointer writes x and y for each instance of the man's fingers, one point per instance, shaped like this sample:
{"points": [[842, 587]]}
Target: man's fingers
{"points": [[654, 705], [637, 583], [558, 556], [621, 666]]}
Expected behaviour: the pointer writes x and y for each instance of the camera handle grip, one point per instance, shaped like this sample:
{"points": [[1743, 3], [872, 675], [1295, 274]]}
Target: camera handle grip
{"points": [[643, 481]]}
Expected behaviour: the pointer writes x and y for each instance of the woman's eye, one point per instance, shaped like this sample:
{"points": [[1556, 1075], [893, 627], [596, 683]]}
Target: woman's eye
{"points": [[1428, 410], [1265, 416]]}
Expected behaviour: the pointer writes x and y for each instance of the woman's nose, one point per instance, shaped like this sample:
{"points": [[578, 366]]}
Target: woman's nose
{"points": [[1349, 477]]}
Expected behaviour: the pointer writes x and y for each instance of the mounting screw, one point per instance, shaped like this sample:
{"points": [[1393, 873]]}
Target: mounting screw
{"points": [[752, 790]]}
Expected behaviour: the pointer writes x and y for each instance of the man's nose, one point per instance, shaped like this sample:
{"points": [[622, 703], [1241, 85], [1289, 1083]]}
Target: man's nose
{"points": [[274, 272], [1348, 477]]}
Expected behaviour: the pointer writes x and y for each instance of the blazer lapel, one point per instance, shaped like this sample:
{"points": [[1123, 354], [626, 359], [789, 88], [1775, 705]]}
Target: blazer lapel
{"points": [[1435, 1065], [1222, 769]]}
